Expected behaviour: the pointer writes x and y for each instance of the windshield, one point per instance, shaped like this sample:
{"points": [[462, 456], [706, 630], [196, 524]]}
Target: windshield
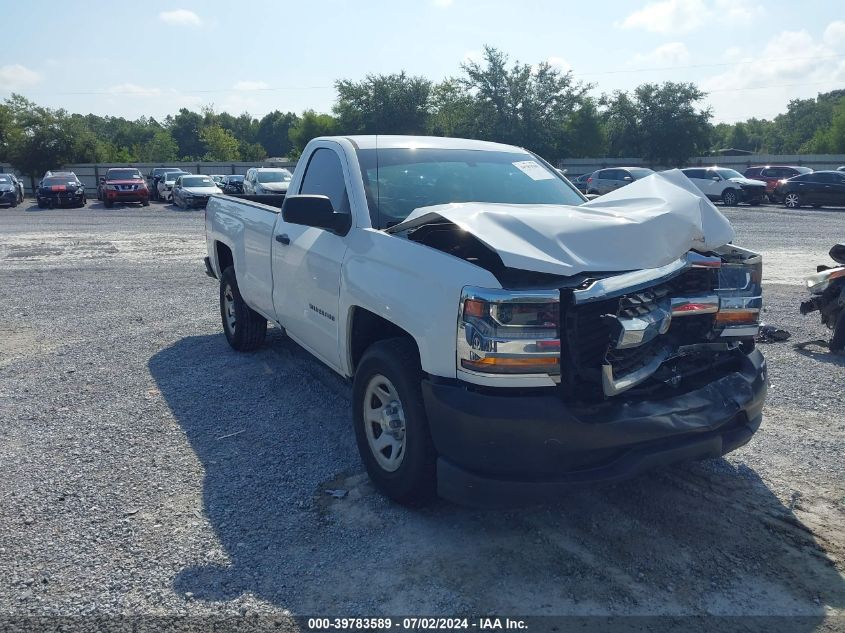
{"points": [[173, 175], [282, 175], [5, 180], [123, 174], [803, 170], [198, 181], [727, 174], [397, 181], [236, 178], [640, 172]]}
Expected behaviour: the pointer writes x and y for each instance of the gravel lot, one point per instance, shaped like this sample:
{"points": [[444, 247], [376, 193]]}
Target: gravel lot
{"points": [[149, 469]]}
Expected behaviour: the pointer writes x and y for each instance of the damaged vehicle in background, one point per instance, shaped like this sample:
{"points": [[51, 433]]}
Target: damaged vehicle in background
{"points": [[827, 288], [60, 191], [505, 338], [11, 191]]}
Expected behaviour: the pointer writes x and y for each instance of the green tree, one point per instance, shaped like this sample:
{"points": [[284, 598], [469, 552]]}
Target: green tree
{"points": [[522, 105], [160, 148], [453, 111], [273, 131], [219, 144], [310, 125], [584, 135], [659, 122], [185, 128], [383, 104], [252, 152]]}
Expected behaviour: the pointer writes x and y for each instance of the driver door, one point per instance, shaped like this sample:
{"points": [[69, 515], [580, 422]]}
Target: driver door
{"points": [[307, 261]]}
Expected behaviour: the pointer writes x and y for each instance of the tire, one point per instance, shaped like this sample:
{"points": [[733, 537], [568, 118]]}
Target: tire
{"points": [[13, 203], [389, 375], [41, 205], [245, 329], [755, 202], [145, 203], [730, 198], [82, 202], [792, 200]]}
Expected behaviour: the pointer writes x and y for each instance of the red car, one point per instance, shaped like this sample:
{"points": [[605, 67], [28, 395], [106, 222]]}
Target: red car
{"points": [[123, 184], [773, 174]]}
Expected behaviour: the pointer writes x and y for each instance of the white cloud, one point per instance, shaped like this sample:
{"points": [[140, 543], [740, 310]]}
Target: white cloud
{"points": [[134, 90], [668, 16], [683, 16], [250, 85], [834, 34], [671, 54], [734, 11], [16, 76], [559, 63], [180, 17], [798, 65]]}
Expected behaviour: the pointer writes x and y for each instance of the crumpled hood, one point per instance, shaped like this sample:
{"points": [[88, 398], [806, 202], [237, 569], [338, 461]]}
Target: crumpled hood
{"points": [[647, 224]]}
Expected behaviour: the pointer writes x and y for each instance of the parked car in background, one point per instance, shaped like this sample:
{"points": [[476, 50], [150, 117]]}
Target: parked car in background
{"points": [[842, 168], [773, 174], [218, 179], [55, 172], [154, 176], [123, 184], [726, 185], [192, 191], [11, 191], [166, 181], [605, 180], [816, 189], [233, 184], [266, 180], [581, 182], [60, 190]]}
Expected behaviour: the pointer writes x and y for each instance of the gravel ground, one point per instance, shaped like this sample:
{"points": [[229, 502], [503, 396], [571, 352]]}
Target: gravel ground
{"points": [[148, 469]]}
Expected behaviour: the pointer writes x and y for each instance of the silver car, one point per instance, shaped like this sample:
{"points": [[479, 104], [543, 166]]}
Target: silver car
{"points": [[606, 180]]}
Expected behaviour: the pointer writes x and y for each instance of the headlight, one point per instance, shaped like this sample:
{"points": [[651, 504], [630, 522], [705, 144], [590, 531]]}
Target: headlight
{"points": [[501, 332], [819, 282], [740, 293]]}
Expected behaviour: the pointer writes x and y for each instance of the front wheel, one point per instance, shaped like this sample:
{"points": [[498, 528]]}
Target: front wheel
{"points": [[792, 201], [145, 203], [730, 198], [245, 329], [391, 426]]}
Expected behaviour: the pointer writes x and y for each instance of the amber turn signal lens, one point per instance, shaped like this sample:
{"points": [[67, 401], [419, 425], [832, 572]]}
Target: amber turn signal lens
{"points": [[495, 365], [736, 317], [474, 308]]}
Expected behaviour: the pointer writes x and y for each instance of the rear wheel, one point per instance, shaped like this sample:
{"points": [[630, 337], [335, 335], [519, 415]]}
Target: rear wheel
{"points": [[792, 200], [391, 426], [245, 329], [730, 198], [145, 203]]}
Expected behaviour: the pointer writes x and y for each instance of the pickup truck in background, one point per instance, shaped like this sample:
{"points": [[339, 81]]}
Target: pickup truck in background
{"points": [[505, 338]]}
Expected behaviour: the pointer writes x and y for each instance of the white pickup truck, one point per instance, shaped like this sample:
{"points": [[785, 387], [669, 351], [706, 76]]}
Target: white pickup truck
{"points": [[505, 337]]}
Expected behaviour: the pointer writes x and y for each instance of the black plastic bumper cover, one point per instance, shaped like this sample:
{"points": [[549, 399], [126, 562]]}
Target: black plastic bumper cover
{"points": [[494, 449]]}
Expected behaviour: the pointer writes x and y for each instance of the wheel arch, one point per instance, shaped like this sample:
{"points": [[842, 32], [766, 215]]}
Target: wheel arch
{"points": [[364, 329], [224, 256]]}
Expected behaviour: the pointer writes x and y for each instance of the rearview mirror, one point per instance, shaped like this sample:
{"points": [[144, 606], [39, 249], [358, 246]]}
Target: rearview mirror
{"points": [[316, 211]]}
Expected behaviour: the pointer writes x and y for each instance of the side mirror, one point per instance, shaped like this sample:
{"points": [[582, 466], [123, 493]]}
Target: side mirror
{"points": [[102, 179], [316, 211], [716, 178], [628, 179]]}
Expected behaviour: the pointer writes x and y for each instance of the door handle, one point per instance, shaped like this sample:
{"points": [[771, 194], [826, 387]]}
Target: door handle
{"points": [[283, 239]]}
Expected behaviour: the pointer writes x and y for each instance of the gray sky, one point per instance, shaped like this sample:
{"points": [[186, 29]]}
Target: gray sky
{"points": [[133, 59]]}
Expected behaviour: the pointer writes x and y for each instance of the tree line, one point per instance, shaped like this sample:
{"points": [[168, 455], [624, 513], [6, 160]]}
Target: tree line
{"points": [[537, 106]]}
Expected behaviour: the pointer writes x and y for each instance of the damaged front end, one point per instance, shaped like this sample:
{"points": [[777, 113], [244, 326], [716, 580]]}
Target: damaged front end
{"points": [[600, 336]]}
